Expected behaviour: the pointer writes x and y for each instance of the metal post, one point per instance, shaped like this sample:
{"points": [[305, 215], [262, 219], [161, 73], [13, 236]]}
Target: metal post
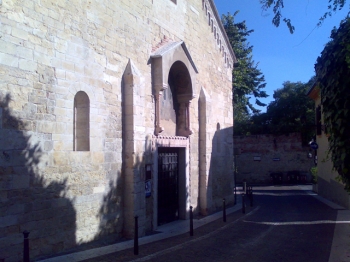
{"points": [[235, 175], [251, 196], [245, 187], [136, 237], [25, 246], [235, 195], [191, 221], [243, 203], [224, 210]]}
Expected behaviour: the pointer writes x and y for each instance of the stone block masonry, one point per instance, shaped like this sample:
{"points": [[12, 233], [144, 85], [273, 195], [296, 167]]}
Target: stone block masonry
{"points": [[78, 117]]}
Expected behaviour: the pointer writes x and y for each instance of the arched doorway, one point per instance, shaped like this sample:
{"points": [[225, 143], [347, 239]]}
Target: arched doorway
{"points": [[174, 116], [173, 79]]}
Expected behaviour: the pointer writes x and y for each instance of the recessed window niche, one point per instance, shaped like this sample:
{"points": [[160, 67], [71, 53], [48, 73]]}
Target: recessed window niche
{"points": [[81, 125]]}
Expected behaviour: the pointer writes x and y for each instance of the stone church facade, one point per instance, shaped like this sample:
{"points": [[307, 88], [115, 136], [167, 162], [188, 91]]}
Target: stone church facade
{"points": [[110, 110]]}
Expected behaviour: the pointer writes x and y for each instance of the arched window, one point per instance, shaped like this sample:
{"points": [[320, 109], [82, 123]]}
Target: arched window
{"points": [[81, 123]]}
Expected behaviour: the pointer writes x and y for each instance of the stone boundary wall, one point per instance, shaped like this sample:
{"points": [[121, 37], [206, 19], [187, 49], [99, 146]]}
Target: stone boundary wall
{"points": [[258, 156]]}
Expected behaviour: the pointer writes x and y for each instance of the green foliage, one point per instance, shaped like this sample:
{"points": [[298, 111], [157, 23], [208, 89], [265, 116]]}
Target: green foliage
{"points": [[248, 81], [333, 71], [334, 5], [290, 111], [278, 5], [242, 124], [313, 171]]}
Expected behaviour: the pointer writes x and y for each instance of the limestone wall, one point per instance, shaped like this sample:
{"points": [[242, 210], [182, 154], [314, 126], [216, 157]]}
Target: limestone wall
{"points": [[49, 51], [261, 155]]}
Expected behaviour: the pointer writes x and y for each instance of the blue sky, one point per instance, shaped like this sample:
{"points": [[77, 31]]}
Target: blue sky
{"points": [[283, 56]]}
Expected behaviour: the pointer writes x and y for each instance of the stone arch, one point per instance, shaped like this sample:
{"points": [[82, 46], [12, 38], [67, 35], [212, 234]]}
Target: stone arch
{"points": [[179, 94], [81, 122], [172, 66]]}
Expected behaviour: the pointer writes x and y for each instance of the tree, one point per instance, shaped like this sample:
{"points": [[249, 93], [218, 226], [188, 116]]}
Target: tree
{"points": [[332, 72], [248, 81], [278, 5], [291, 111]]}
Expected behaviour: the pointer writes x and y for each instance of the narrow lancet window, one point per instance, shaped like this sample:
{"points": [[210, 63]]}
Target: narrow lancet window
{"points": [[81, 122]]}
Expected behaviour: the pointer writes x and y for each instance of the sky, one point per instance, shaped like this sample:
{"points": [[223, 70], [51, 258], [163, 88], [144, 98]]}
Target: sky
{"points": [[283, 56]]}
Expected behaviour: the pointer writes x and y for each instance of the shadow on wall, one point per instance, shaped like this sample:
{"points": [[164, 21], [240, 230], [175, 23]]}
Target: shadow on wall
{"points": [[28, 200], [221, 175], [34, 200], [110, 215]]}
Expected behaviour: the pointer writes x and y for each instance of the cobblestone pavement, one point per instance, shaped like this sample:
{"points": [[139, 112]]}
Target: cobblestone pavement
{"points": [[283, 225]]}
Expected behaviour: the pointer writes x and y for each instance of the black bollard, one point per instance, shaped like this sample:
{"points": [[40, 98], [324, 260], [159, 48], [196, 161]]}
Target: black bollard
{"points": [[25, 246], [136, 237], [235, 195], [251, 196], [224, 210], [191, 221], [243, 203]]}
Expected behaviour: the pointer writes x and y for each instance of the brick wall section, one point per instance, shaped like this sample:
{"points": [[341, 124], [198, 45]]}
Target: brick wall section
{"points": [[272, 154]]}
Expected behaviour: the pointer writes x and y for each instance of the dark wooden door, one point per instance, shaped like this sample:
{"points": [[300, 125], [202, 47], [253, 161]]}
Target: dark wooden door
{"points": [[168, 185]]}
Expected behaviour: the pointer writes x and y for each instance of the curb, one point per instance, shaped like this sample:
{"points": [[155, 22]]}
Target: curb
{"points": [[166, 231]]}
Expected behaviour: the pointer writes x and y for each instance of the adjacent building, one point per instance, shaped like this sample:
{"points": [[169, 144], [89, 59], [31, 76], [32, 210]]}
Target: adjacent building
{"points": [[327, 184], [110, 110]]}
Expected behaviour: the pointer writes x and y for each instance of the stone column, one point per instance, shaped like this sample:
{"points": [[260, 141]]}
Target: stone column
{"points": [[188, 119], [205, 194], [133, 180], [183, 116], [157, 96]]}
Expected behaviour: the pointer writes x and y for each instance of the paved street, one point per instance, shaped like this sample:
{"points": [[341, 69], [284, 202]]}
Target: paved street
{"points": [[285, 224]]}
